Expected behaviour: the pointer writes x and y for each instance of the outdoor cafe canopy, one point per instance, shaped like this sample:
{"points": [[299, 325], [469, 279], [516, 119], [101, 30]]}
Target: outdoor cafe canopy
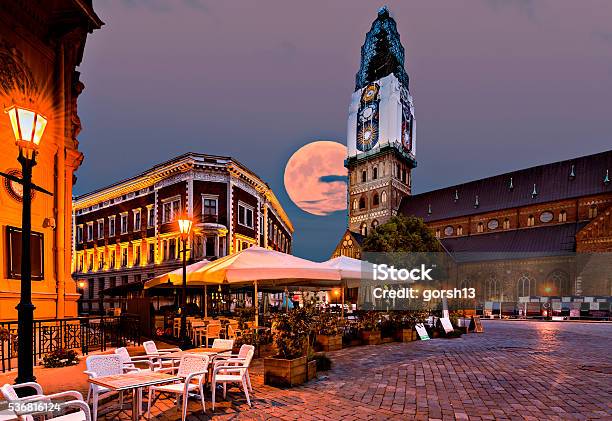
{"points": [[175, 278]]}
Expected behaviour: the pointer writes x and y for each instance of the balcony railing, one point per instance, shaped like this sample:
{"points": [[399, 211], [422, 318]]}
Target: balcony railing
{"points": [[84, 334]]}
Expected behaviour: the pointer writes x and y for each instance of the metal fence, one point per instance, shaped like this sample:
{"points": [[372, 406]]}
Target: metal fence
{"points": [[83, 334]]}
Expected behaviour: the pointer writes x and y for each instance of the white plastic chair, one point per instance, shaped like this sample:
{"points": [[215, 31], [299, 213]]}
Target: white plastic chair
{"points": [[100, 366], [223, 344], [192, 367], [129, 362], [233, 370], [156, 355], [9, 392]]}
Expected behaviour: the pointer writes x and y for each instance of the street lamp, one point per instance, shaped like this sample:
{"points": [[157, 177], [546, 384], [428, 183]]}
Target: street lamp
{"points": [[185, 229], [28, 128]]}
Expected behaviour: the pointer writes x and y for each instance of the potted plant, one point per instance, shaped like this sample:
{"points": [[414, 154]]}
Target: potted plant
{"points": [[370, 328], [328, 336], [291, 331]]}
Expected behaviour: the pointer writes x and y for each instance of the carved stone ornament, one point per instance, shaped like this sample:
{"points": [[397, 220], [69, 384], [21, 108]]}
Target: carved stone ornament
{"points": [[16, 79]]}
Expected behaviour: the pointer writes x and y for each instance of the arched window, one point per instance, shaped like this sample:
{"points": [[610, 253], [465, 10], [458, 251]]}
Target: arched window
{"points": [[355, 204], [364, 229], [374, 224], [364, 176], [557, 283], [375, 172], [383, 198], [525, 286], [480, 227], [459, 230], [592, 211], [362, 203], [438, 233], [563, 216], [375, 200], [506, 224], [530, 221], [492, 292]]}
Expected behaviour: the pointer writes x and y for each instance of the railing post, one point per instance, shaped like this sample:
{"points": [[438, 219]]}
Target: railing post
{"points": [[85, 336]]}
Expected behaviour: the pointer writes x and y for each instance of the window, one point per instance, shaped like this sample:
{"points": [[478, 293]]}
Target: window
{"points": [[80, 263], [14, 253], [136, 255], [90, 232], [79, 234], [375, 200], [151, 217], [364, 176], [506, 224], [172, 249], [209, 208], [111, 226], [101, 261], [480, 227], [100, 228], [438, 233], [90, 262], [151, 252], [592, 211], [546, 216], [563, 216], [171, 209], [459, 230], [362, 203], [245, 215], [530, 221], [355, 204], [383, 198], [112, 260], [124, 223], [136, 219], [364, 229], [124, 257], [375, 173]]}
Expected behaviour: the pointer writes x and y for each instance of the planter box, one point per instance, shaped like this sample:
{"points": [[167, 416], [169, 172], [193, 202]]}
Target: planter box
{"points": [[370, 338], [281, 372], [312, 369], [409, 335], [330, 342]]}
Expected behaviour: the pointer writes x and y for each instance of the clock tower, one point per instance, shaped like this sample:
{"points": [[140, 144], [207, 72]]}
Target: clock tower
{"points": [[381, 133]]}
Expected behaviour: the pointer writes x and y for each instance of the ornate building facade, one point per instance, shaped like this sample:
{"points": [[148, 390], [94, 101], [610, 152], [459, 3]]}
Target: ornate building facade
{"points": [[513, 235], [127, 233], [41, 43]]}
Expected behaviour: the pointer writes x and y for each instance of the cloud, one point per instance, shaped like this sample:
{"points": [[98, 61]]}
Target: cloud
{"points": [[333, 178]]}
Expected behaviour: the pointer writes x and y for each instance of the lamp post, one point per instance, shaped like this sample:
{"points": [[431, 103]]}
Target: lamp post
{"points": [[185, 229], [28, 128]]}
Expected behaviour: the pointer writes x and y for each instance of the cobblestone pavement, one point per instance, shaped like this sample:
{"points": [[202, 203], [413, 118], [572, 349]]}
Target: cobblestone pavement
{"points": [[515, 370]]}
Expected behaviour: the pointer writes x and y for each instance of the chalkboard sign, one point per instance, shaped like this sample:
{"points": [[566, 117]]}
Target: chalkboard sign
{"points": [[420, 328], [446, 324], [479, 328]]}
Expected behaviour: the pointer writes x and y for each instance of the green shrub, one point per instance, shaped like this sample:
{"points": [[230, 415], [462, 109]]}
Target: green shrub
{"points": [[61, 358]]}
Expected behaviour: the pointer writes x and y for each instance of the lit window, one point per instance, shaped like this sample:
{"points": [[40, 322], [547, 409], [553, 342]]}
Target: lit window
{"points": [[136, 219], [111, 226], [124, 257], [383, 198], [562, 216], [364, 229], [245, 215], [530, 221], [136, 255], [459, 230], [112, 261], [592, 211], [124, 223], [438, 233], [480, 227], [90, 232], [151, 217], [374, 224], [506, 224], [151, 252]]}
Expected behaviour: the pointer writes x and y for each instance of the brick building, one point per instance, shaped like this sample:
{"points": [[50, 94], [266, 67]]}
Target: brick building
{"points": [[127, 233], [522, 228]]}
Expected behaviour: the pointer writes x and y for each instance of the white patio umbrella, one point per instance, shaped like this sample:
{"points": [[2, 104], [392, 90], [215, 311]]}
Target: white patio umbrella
{"points": [[257, 266], [352, 271]]}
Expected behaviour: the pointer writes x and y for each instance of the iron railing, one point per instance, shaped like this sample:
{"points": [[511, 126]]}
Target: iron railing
{"points": [[83, 334]]}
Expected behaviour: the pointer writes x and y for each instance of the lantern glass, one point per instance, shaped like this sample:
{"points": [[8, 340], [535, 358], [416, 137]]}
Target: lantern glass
{"points": [[28, 126], [184, 226]]}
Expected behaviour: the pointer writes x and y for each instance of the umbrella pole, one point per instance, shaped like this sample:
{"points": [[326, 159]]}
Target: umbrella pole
{"points": [[205, 301], [256, 304], [342, 308], [286, 300]]}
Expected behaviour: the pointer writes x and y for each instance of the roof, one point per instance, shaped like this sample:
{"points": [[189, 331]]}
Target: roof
{"points": [[541, 241], [358, 237], [561, 180]]}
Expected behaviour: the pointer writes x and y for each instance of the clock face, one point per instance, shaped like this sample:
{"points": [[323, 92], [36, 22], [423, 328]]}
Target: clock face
{"points": [[493, 224], [369, 93], [14, 189], [367, 137]]}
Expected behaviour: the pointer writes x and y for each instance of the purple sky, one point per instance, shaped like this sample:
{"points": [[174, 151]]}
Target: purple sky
{"points": [[498, 85]]}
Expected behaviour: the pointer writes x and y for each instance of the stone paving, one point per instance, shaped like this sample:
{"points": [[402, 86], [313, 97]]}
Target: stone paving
{"points": [[515, 370]]}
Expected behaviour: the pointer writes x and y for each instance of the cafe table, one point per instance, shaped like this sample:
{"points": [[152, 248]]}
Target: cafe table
{"points": [[134, 381], [203, 350]]}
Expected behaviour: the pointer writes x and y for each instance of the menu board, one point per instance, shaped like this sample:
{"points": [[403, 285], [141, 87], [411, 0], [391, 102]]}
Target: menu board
{"points": [[446, 324], [420, 328]]}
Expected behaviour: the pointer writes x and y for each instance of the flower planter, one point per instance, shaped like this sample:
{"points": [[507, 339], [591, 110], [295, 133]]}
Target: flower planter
{"points": [[282, 372], [409, 335], [312, 369], [330, 342], [370, 338]]}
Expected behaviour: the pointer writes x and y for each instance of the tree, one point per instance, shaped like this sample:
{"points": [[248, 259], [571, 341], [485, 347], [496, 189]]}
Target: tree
{"points": [[406, 234]]}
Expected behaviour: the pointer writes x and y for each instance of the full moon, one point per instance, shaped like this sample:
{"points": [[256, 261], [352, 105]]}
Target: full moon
{"points": [[315, 177]]}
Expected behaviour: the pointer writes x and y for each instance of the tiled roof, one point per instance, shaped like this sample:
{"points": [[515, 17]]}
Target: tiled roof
{"points": [[540, 241], [552, 182]]}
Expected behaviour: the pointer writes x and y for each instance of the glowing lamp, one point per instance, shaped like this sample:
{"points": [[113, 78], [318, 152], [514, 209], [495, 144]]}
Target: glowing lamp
{"points": [[548, 290], [336, 292], [185, 226], [81, 284], [28, 126]]}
